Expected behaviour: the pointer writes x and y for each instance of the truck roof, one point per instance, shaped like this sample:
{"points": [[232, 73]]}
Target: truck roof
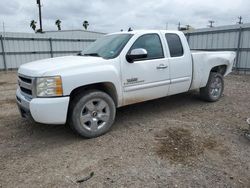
{"points": [[145, 31]]}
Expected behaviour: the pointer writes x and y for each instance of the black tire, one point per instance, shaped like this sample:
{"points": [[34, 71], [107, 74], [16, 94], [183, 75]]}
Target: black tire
{"points": [[85, 110], [214, 88]]}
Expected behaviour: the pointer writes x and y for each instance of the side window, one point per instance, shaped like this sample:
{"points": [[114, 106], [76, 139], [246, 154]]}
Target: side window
{"points": [[151, 43], [174, 45]]}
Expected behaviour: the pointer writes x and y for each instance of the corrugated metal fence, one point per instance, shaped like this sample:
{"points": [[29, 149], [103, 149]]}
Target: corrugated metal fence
{"points": [[229, 38], [16, 50]]}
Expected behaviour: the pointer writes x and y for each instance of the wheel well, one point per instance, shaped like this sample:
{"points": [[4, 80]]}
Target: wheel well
{"points": [[106, 87], [220, 69]]}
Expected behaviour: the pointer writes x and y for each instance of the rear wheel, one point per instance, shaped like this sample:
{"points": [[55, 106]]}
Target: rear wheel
{"points": [[92, 113], [214, 88]]}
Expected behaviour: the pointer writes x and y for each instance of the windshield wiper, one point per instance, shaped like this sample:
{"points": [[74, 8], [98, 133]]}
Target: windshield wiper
{"points": [[92, 54]]}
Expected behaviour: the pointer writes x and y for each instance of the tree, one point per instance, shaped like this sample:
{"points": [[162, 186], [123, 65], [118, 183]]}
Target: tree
{"points": [[33, 25], [58, 24], [85, 24]]}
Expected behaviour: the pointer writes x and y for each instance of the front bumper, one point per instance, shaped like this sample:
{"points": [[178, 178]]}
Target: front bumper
{"points": [[43, 110]]}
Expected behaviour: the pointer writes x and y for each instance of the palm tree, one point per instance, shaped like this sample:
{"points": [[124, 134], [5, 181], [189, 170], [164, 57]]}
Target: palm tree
{"points": [[33, 25], [58, 24], [85, 24]]}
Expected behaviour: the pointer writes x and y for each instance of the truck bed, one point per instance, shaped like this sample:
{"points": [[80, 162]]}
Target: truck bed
{"points": [[204, 61]]}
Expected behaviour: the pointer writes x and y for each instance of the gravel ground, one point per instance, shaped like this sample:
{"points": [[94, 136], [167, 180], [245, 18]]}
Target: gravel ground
{"points": [[178, 141]]}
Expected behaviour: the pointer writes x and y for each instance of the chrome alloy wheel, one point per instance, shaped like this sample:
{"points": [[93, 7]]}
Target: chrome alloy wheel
{"points": [[95, 114], [216, 87]]}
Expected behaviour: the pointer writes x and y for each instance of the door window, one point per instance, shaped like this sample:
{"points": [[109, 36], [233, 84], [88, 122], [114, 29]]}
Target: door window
{"points": [[174, 45], [151, 43]]}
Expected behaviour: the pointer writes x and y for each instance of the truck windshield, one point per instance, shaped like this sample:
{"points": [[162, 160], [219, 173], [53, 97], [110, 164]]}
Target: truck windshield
{"points": [[107, 47]]}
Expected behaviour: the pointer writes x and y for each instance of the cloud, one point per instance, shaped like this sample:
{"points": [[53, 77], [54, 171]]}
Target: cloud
{"points": [[8, 7], [113, 15]]}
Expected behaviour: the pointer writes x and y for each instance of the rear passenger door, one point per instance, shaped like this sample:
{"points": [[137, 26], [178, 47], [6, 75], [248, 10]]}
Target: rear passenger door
{"points": [[180, 63]]}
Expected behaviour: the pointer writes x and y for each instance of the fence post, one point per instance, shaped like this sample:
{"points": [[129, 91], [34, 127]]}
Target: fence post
{"points": [[238, 49], [51, 47], [3, 53]]}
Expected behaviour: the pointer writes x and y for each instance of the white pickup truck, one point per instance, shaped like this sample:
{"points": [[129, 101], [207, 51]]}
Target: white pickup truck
{"points": [[117, 70]]}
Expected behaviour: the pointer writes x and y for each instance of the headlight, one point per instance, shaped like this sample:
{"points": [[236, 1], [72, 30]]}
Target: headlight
{"points": [[49, 86]]}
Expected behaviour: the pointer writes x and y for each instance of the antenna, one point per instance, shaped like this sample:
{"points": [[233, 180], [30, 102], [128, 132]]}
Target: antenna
{"points": [[211, 22]]}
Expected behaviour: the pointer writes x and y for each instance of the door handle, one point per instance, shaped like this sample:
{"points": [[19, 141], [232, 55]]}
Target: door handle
{"points": [[161, 66]]}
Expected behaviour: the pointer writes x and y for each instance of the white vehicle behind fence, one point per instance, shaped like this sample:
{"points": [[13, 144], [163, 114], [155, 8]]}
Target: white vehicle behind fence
{"points": [[117, 70]]}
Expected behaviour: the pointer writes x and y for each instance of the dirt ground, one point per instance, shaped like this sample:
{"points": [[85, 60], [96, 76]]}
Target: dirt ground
{"points": [[178, 141]]}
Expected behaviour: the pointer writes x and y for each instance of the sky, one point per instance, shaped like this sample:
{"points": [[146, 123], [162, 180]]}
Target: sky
{"points": [[113, 15]]}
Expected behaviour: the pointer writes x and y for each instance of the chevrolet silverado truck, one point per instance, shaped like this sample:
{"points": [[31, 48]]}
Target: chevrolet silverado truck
{"points": [[119, 69]]}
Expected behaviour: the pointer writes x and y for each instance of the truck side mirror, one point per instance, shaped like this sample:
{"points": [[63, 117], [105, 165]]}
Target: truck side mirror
{"points": [[135, 54]]}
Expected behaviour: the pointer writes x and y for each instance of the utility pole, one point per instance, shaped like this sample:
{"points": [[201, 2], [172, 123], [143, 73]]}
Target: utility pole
{"points": [[40, 15], [179, 26], [3, 29], [211, 22], [240, 20]]}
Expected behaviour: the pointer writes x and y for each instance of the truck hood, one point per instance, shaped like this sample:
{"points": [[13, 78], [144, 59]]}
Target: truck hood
{"points": [[58, 64]]}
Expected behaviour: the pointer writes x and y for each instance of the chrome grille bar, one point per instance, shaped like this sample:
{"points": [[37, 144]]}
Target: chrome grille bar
{"points": [[26, 85]]}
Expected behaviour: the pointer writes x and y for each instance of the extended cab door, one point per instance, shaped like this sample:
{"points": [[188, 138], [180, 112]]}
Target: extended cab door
{"points": [[180, 62], [146, 78]]}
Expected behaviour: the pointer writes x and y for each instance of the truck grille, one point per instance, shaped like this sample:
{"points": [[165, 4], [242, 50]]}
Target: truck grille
{"points": [[27, 80], [26, 85], [26, 91]]}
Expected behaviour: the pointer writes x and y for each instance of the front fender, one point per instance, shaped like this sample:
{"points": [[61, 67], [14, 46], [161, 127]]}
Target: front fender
{"points": [[91, 75]]}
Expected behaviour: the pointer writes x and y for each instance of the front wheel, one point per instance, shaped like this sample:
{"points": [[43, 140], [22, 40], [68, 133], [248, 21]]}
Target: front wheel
{"points": [[214, 88], [92, 113]]}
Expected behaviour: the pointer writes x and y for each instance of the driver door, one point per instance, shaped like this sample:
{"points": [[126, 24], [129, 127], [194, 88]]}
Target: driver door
{"points": [[147, 78]]}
